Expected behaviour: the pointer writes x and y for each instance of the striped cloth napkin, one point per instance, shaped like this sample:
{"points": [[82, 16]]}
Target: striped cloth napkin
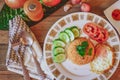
{"points": [[16, 25]]}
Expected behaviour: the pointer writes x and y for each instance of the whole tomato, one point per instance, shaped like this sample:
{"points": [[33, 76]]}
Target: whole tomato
{"points": [[15, 3], [51, 3], [33, 9]]}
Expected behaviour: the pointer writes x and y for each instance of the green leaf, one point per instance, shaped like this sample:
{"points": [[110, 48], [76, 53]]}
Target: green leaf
{"points": [[90, 52], [85, 44], [81, 49]]}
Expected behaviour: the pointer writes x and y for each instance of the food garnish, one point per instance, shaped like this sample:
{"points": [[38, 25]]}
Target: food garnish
{"points": [[96, 32], [75, 31], [59, 45], [82, 49], [90, 52]]}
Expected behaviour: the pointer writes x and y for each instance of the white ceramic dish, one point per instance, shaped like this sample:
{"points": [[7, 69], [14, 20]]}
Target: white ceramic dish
{"points": [[68, 70]]}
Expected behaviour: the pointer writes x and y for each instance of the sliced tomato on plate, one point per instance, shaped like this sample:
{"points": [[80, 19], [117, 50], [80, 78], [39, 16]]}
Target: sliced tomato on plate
{"points": [[90, 29], [96, 32], [104, 35]]}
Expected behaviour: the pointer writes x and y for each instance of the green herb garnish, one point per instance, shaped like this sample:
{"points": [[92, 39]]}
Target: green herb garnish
{"points": [[81, 49], [90, 52]]}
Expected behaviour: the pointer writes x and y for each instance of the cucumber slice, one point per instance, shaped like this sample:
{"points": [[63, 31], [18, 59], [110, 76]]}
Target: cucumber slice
{"points": [[58, 43], [64, 37], [59, 58], [70, 33], [58, 50], [75, 31]]}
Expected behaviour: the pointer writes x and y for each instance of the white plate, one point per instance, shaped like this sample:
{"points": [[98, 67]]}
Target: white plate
{"points": [[68, 70], [108, 13]]}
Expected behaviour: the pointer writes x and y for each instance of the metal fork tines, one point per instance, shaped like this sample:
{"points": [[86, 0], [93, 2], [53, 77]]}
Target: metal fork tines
{"points": [[16, 47]]}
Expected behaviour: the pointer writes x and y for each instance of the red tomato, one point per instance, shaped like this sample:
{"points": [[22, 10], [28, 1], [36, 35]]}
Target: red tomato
{"points": [[33, 9], [116, 14], [51, 3], [96, 32], [15, 3], [90, 29]]}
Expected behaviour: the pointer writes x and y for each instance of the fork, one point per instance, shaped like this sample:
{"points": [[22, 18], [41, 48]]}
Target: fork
{"points": [[16, 46]]}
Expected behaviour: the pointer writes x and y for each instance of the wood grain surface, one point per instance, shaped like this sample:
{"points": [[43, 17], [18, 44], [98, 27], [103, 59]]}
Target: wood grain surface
{"points": [[40, 30]]}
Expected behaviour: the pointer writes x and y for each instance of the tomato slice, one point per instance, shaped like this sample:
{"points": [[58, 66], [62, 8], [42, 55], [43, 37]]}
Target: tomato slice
{"points": [[116, 14], [104, 35], [90, 29], [96, 32]]}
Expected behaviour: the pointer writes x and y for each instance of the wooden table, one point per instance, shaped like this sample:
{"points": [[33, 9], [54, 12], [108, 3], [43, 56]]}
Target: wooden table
{"points": [[40, 30]]}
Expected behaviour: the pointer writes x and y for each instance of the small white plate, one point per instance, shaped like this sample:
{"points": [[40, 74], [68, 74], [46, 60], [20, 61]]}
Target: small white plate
{"points": [[108, 14]]}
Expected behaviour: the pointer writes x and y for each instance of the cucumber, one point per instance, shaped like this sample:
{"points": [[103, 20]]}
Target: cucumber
{"points": [[58, 43], [59, 58], [58, 50], [70, 33], [75, 31], [64, 37]]}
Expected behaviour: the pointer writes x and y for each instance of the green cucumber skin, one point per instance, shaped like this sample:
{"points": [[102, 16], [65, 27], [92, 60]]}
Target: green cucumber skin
{"points": [[55, 52], [57, 58], [70, 34], [67, 40], [75, 28], [58, 43]]}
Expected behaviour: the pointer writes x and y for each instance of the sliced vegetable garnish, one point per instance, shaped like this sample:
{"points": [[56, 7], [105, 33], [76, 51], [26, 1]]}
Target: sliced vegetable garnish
{"points": [[59, 58], [58, 43], [90, 52], [96, 32], [75, 31], [64, 37], [70, 33], [58, 50]]}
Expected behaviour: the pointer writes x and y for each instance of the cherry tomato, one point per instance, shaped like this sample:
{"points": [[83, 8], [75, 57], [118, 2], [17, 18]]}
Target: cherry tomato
{"points": [[116, 14], [33, 9], [15, 3], [51, 3]]}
